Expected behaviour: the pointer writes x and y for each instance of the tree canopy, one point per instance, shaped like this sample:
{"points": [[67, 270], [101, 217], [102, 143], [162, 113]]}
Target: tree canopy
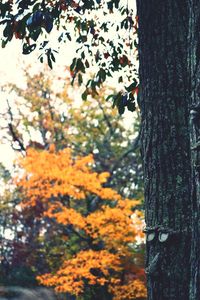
{"points": [[90, 25]]}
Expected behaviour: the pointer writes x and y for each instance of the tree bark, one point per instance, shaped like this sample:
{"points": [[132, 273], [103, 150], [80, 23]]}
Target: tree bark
{"points": [[164, 103], [194, 75]]}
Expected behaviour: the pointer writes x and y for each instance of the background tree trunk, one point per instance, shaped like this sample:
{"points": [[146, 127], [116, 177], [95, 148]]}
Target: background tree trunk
{"points": [[163, 99]]}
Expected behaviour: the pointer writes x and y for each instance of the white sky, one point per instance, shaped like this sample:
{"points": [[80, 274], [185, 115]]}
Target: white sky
{"points": [[12, 62]]}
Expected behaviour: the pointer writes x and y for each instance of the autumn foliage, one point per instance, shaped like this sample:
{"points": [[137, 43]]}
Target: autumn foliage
{"points": [[105, 227]]}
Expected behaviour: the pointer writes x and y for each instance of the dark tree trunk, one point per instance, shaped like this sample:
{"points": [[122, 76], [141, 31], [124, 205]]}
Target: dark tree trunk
{"points": [[164, 103], [194, 68]]}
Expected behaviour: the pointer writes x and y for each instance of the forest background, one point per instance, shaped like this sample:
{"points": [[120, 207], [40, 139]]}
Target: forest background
{"points": [[71, 209]]}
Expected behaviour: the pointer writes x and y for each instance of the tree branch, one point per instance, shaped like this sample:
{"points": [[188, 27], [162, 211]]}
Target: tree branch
{"points": [[106, 118], [134, 146]]}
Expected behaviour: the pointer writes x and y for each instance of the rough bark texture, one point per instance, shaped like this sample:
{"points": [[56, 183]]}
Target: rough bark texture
{"points": [[194, 68], [163, 99]]}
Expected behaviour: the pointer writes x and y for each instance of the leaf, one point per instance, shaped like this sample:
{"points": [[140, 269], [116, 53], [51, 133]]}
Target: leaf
{"points": [[48, 23], [27, 49], [131, 97], [121, 109], [126, 24], [41, 59], [124, 100], [84, 96], [29, 21], [49, 26], [120, 79], [35, 34], [37, 18], [101, 75], [3, 43], [49, 61], [8, 32], [43, 45], [116, 99], [80, 66], [131, 86], [36, 7], [131, 106], [60, 38], [53, 57], [72, 66], [110, 5], [116, 3], [83, 55], [110, 97], [135, 44], [80, 79], [68, 36], [87, 64]]}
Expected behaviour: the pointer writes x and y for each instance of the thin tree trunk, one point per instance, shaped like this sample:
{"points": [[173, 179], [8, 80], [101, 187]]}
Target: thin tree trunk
{"points": [[163, 99]]}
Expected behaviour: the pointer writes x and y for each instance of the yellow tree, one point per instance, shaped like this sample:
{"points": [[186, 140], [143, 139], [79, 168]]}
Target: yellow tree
{"points": [[104, 261], [42, 113]]}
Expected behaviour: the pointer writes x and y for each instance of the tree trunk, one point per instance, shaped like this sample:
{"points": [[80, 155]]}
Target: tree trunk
{"points": [[194, 68], [164, 104]]}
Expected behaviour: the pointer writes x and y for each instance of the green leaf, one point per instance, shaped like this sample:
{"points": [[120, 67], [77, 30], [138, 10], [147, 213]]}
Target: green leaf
{"points": [[84, 96], [80, 66], [49, 62], [83, 55], [135, 44], [35, 34], [72, 66], [3, 43], [126, 24], [110, 5], [110, 97], [80, 79], [41, 59], [131, 97], [68, 36], [53, 57], [102, 75], [116, 99], [121, 109], [27, 49], [87, 64], [131, 106], [120, 79]]}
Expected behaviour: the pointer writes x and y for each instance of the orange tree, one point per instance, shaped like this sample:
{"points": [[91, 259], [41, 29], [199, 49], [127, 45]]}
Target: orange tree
{"points": [[40, 115], [103, 261]]}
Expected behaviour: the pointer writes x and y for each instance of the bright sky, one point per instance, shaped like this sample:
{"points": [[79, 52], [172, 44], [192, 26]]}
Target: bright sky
{"points": [[9, 72], [12, 61]]}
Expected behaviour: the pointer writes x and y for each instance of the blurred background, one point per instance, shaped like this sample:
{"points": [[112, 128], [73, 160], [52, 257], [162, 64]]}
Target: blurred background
{"points": [[71, 187]]}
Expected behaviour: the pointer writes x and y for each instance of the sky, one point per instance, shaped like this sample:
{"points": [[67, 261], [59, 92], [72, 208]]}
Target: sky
{"points": [[10, 71], [12, 62]]}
